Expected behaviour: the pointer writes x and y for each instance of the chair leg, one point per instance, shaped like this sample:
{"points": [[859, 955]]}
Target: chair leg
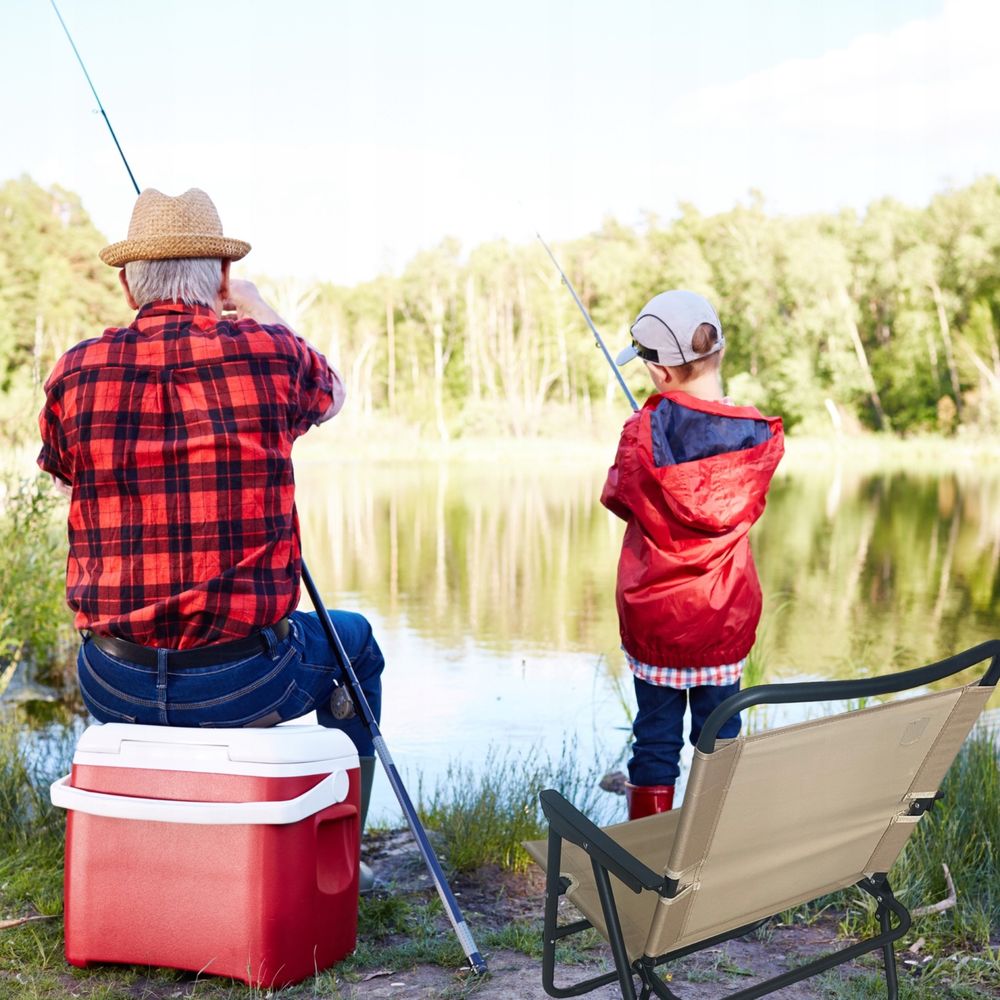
{"points": [[652, 985], [552, 932], [889, 957], [615, 938]]}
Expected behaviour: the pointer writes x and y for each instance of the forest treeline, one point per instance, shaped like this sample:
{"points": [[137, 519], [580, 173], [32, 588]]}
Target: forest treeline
{"points": [[885, 319]]}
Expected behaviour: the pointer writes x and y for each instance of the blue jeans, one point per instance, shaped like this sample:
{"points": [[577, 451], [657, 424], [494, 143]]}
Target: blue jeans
{"points": [[659, 727], [287, 680]]}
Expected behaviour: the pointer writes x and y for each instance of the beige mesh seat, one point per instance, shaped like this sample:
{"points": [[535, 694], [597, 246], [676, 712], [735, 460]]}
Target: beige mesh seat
{"points": [[769, 821]]}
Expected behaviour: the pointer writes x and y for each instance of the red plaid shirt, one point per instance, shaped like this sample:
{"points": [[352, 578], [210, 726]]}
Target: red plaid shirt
{"points": [[176, 435]]}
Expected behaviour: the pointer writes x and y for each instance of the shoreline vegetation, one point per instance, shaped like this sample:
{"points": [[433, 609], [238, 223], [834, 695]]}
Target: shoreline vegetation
{"points": [[885, 319], [478, 822], [384, 443]]}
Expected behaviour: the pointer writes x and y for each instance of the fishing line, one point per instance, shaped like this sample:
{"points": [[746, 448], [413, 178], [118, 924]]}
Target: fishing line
{"points": [[93, 90]]}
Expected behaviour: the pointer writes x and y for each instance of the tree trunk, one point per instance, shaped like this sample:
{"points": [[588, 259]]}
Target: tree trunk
{"points": [[390, 333], [948, 352], [472, 339], [565, 375], [994, 347], [437, 333], [357, 377], [933, 356], [859, 350]]}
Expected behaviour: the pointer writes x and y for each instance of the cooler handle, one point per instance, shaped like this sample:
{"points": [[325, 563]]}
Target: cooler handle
{"points": [[332, 789]]}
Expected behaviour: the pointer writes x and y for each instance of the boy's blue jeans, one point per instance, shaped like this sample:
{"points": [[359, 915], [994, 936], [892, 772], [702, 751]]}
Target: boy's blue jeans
{"points": [[292, 677], [659, 727]]}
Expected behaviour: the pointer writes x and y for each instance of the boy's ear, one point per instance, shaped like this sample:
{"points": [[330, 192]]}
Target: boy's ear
{"points": [[660, 375]]}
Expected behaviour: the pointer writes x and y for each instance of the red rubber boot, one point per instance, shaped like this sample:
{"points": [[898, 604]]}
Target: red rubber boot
{"points": [[647, 800]]}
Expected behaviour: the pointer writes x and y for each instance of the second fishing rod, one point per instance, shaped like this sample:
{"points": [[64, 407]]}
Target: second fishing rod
{"points": [[590, 323], [350, 680]]}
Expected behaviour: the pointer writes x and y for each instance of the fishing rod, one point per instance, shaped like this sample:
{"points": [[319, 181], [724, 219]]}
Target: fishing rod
{"points": [[419, 834], [590, 323], [360, 702]]}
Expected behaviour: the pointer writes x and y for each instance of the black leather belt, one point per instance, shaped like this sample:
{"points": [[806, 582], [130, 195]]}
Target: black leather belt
{"points": [[200, 656]]}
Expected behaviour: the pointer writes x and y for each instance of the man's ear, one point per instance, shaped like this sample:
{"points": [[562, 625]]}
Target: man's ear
{"points": [[224, 282], [664, 373], [129, 298]]}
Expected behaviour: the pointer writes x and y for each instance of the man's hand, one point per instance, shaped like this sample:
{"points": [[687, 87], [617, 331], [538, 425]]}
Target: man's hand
{"points": [[248, 303]]}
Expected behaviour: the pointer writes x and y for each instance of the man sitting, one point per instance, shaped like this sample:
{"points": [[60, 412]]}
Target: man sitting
{"points": [[172, 438]]}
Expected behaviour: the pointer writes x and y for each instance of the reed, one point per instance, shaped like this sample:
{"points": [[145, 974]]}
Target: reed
{"points": [[483, 814], [35, 627], [26, 770]]}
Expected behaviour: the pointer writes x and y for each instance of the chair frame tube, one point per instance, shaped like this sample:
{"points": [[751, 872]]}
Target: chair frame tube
{"points": [[868, 687]]}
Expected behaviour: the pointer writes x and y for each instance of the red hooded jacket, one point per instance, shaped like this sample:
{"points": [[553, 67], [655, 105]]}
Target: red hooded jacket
{"points": [[690, 479]]}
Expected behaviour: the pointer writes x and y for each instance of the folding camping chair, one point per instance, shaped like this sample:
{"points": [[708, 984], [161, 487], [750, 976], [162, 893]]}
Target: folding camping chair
{"points": [[769, 821]]}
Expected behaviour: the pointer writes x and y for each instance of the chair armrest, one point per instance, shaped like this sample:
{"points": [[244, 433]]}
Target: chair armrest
{"points": [[567, 822]]}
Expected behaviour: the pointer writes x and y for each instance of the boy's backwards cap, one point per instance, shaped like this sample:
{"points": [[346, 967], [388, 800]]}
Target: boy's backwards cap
{"points": [[665, 326]]}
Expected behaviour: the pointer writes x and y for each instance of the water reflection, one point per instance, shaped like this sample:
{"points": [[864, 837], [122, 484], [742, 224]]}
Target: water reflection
{"points": [[491, 589], [871, 573], [492, 592], [504, 558], [860, 573]]}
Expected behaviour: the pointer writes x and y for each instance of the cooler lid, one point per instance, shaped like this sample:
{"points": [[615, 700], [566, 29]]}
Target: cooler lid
{"points": [[281, 750]]}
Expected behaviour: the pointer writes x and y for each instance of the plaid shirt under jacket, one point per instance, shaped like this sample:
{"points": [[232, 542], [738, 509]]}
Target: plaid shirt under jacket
{"points": [[175, 434], [684, 678]]}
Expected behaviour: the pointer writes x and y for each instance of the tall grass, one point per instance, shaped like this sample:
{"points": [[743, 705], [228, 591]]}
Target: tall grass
{"points": [[483, 814], [35, 626], [31, 828], [27, 767]]}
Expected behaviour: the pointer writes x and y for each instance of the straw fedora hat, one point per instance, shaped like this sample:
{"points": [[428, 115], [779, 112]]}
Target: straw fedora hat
{"points": [[164, 228]]}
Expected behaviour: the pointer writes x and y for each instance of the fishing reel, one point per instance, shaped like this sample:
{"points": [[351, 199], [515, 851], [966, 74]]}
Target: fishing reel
{"points": [[342, 704]]}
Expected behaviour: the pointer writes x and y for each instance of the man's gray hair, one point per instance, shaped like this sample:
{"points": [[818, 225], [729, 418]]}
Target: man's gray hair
{"points": [[189, 280]]}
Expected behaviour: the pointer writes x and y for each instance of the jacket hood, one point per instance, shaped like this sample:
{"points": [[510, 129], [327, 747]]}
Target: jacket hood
{"points": [[689, 445]]}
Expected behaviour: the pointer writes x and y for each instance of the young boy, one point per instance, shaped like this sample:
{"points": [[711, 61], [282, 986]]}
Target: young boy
{"points": [[690, 479]]}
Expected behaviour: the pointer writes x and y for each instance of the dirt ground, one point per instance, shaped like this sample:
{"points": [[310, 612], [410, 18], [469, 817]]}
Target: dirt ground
{"points": [[514, 976], [493, 899], [401, 965]]}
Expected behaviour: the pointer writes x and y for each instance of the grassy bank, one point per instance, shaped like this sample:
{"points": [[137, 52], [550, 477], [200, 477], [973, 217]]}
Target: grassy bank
{"points": [[478, 821], [483, 816]]}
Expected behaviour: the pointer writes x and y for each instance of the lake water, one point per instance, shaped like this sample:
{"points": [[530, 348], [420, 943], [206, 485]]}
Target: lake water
{"points": [[491, 590]]}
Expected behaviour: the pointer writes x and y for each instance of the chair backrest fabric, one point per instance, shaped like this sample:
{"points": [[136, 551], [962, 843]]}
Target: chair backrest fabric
{"points": [[777, 818]]}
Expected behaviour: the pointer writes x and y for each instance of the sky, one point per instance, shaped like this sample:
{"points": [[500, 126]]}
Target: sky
{"points": [[341, 137]]}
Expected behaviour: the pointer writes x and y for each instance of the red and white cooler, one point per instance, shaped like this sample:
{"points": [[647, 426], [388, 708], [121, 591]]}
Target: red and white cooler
{"points": [[226, 851]]}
